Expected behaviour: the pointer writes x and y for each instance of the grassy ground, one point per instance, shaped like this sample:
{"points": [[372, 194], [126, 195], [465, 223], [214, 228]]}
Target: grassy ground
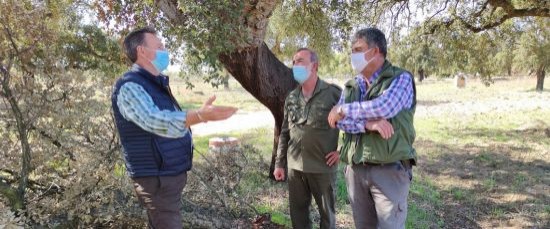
{"points": [[235, 94], [478, 167]]}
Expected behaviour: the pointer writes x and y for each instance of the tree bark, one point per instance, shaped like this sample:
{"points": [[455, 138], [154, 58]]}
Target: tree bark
{"points": [[22, 129], [252, 64], [540, 78], [226, 83], [266, 78], [420, 75]]}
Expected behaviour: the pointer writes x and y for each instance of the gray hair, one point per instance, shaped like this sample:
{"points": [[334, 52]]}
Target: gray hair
{"points": [[373, 37], [313, 55], [135, 39]]}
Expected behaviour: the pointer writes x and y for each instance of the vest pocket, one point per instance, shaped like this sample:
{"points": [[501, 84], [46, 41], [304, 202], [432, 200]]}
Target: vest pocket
{"points": [[376, 149], [173, 152], [397, 144]]}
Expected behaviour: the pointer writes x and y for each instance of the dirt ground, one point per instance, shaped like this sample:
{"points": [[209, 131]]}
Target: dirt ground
{"points": [[483, 182]]}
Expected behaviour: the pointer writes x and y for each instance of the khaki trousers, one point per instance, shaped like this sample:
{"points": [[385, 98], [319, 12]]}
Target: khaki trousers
{"points": [[301, 187], [378, 194]]}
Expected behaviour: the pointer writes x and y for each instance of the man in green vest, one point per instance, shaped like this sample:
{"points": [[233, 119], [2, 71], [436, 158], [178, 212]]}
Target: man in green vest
{"points": [[376, 113], [308, 144]]}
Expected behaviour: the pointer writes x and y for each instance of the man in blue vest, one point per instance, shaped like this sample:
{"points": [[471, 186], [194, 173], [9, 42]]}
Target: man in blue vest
{"points": [[154, 130], [376, 112]]}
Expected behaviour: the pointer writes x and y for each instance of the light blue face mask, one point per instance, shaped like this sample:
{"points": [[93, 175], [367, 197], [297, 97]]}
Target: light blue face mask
{"points": [[301, 73], [162, 59]]}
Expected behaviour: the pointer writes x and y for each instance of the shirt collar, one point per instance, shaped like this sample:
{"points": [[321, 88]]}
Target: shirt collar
{"points": [[362, 82], [161, 79], [361, 79], [320, 85], [375, 76]]}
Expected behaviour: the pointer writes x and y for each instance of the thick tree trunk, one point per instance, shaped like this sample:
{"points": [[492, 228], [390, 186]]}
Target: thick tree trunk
{"points": [[540, 78], [266, 78], [420, 75], [252, 63]]}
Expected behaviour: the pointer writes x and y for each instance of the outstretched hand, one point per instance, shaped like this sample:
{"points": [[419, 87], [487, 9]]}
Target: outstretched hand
{"points": [[210, 112]]}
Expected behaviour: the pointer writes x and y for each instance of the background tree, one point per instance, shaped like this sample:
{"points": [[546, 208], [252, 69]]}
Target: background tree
{"points": [[57, 139], [416, 52], [507, 35], [533, 50], [59, 154], [232, 34], [235, 39]]}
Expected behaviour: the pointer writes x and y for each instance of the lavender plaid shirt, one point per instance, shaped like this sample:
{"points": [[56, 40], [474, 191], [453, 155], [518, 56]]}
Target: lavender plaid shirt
{"points": [[397, 97]]}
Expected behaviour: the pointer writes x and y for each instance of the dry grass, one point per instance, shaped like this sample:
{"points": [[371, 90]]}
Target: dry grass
{"points": [[484, 156], [234, 96], [489, 167]]}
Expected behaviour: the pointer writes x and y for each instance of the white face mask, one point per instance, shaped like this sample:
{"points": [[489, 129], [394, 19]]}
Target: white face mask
{"points": [[358, 61]]}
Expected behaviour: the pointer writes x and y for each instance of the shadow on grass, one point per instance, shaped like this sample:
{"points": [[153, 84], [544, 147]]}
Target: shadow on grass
{"points": [[429, 103], [544, 90], [501, 181]]}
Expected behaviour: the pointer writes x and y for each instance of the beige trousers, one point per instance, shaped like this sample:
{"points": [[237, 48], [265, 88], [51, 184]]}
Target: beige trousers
{"points": [[378, 194]]}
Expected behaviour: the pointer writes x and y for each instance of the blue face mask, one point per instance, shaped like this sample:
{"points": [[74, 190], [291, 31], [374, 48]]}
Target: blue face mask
{"points": [[162, 60], [301, 73]]}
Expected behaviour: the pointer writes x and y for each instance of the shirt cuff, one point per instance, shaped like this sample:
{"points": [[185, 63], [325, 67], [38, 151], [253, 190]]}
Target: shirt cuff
{"points": [[279, 164], [177, 127], [179, 117]]}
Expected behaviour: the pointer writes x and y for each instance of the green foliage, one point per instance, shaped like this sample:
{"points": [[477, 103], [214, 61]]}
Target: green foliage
{"points": [[206, 29], [533, 49], [276, 216], [299, 24], [60, 74], [415, 52], [336, 65], [324, 26], [493, 52], [210, 28], [341, 188]]}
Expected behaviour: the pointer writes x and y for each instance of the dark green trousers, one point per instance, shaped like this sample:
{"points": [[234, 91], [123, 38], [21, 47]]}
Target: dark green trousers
{"points": [[301, 187]]}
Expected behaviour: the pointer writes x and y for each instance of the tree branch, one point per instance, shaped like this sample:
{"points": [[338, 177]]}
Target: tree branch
{"points": [[507, 7], [54, 141], [33, 185], [12, 42], [5, 79], [171, 11], [483, 8]]}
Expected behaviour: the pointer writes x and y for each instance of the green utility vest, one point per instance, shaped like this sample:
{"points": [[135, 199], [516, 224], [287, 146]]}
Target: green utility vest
{"points": [[370, 146]]}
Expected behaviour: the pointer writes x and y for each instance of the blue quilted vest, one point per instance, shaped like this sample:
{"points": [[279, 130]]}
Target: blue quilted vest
{"points": [[145, 153]]}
